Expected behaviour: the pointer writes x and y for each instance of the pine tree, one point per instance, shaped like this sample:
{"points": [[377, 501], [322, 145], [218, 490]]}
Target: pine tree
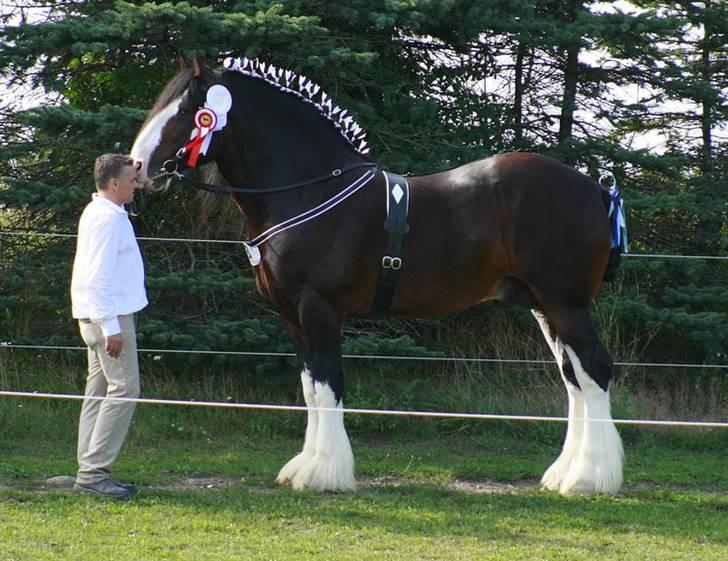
{"points": [[434, 83]]}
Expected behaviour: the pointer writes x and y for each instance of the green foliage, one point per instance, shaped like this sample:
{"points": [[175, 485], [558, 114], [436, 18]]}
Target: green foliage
{"points": [[435, 84]]}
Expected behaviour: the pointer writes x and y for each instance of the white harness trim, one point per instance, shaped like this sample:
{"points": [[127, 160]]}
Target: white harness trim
{"points": [[252, 246]]}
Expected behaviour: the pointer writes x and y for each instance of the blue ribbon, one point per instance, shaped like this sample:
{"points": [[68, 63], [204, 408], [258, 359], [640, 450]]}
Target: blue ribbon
{"points": [[617, 219]]}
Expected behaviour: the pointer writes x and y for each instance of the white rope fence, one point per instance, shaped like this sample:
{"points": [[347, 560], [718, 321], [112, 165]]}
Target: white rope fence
{"points": [[8, 345], [299, 408], [196, 240], [387, 412]]}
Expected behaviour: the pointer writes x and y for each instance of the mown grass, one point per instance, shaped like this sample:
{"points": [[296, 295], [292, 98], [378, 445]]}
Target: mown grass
{"points": [[413, 514], [673, 506], [408, 522]]}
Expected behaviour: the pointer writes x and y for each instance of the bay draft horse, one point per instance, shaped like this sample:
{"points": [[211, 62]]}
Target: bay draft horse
{"points": [[519, 227]]}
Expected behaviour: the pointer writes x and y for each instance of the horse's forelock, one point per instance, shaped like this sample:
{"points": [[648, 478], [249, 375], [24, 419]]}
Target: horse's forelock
{"points": [[150, 136], [174, 89], [165, 108]]}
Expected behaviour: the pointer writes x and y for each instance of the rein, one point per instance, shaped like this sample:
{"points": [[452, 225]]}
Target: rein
{"points": [[262, 190]]}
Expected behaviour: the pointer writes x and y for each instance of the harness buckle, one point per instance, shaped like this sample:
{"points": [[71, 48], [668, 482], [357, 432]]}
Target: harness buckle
{"points": [[394, 263], [170, 167]]}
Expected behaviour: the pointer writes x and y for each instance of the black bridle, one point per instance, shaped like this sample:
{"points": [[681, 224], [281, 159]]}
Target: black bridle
{"points": [[170, 170]]}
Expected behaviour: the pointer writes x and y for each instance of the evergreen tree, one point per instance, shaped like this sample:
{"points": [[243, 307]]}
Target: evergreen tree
{"points": [[434, 83]]}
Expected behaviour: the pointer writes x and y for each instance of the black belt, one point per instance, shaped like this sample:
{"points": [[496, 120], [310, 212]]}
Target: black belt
{"points": [[398, 198]]}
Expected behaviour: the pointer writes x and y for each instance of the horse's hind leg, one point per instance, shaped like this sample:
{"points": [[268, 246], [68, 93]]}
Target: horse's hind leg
{"points": [[554, 476], [592, 458]]}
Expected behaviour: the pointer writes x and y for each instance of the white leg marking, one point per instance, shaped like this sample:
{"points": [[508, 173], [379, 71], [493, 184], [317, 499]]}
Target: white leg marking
{"points": [[290, 470], [331, 468], [553, 343], [148, 138], [555, 474], [598, 462]]}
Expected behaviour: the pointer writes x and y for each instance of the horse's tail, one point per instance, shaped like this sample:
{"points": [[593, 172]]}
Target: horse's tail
{"points": [[613, 202], [615, 256]]}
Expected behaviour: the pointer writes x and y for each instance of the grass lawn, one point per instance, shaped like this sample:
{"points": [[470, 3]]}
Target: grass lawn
{"points": [[208, 493]]}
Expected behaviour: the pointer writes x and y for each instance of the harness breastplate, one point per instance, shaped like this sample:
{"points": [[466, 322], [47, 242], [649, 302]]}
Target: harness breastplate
{"points": [[398, 198]]}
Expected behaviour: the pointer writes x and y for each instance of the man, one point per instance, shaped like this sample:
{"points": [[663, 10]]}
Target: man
{"points": [[107, 289]]}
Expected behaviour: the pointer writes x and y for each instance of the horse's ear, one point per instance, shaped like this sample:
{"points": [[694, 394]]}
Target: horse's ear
{"points": [[184, 62], [201, 70]]}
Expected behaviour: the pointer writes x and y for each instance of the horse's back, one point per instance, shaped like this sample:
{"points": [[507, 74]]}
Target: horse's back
{"points": [[513, 196], [519, 215]]}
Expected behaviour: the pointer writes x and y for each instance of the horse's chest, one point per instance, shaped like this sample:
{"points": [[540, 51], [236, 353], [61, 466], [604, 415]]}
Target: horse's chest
{"points": [[264, 281], [274, 285]]}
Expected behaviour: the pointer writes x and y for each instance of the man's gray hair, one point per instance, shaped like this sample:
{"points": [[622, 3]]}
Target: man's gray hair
{"points": [[108, 167]]}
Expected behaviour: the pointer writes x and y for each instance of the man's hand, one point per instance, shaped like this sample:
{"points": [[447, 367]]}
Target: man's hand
{"points": [[114, 343]]}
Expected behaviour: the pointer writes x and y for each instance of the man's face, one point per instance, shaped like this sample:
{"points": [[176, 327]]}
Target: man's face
{"points": [[124, 185]]}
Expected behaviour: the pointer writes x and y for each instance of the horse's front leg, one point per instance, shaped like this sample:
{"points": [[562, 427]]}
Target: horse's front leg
{"points": [[297, 463], [326, 462]]}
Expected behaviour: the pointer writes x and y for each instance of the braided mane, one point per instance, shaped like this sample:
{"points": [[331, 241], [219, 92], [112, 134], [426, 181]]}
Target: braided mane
{"points": [[305, 89]]}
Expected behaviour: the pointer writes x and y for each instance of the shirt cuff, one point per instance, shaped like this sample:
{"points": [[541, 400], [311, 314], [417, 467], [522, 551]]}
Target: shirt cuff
{"points": [[110, 327]]}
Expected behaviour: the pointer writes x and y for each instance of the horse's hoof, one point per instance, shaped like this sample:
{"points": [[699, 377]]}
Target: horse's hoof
{"points": [[289, 471], [322, 474], [556, 473], [591, 482]]}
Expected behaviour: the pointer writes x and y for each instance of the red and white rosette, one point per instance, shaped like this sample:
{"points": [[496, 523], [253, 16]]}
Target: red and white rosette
{"points": [[205, 121], [208, 119]]}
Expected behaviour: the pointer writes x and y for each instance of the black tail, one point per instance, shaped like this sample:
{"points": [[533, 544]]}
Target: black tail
{"points": [[615, 254]]}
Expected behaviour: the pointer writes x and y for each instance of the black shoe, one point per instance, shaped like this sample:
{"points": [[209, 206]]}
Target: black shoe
{"points": [[104, 488], [128, 486]]}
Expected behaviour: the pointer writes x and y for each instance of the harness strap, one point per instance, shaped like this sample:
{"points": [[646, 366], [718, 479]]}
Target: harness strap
{"points": [[170, 168], [398, 198], [251, 247]]}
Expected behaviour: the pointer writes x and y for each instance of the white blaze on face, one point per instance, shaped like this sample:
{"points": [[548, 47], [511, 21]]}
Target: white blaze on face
{"points": [[149, 137]]}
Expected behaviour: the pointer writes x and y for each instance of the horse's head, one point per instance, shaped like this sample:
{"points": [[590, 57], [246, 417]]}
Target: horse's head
{"points": [[179, 129]]}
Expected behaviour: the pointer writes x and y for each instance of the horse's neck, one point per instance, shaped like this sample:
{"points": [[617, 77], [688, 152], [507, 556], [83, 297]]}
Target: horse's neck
{"points": [[266, 150], [266, 209]]}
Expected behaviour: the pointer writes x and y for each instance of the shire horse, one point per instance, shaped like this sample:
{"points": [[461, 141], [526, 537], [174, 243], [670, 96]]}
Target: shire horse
{"points": [[519, 227]]}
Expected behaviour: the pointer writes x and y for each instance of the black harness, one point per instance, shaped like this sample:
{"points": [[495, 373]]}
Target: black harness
{"points": [[398, 200]]}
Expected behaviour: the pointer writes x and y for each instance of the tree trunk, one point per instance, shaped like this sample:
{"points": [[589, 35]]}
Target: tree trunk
{"points": [[518, 98], [568, 103], [707, 113], [571, 75]]}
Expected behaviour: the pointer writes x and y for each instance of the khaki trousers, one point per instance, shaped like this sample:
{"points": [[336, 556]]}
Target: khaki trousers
{"points": [[104, 423]]}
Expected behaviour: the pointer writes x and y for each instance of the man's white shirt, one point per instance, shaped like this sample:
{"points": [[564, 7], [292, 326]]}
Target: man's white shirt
{"points": [[108, 272]]}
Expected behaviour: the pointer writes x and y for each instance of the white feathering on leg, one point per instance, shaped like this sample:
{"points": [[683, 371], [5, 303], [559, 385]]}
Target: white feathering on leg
{"points": [[289, 471], [558, 471], [598, 464], [332, 466]]}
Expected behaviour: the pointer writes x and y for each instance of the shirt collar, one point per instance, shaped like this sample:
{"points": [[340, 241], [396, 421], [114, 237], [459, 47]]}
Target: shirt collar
{"points": [[98, 199]]}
